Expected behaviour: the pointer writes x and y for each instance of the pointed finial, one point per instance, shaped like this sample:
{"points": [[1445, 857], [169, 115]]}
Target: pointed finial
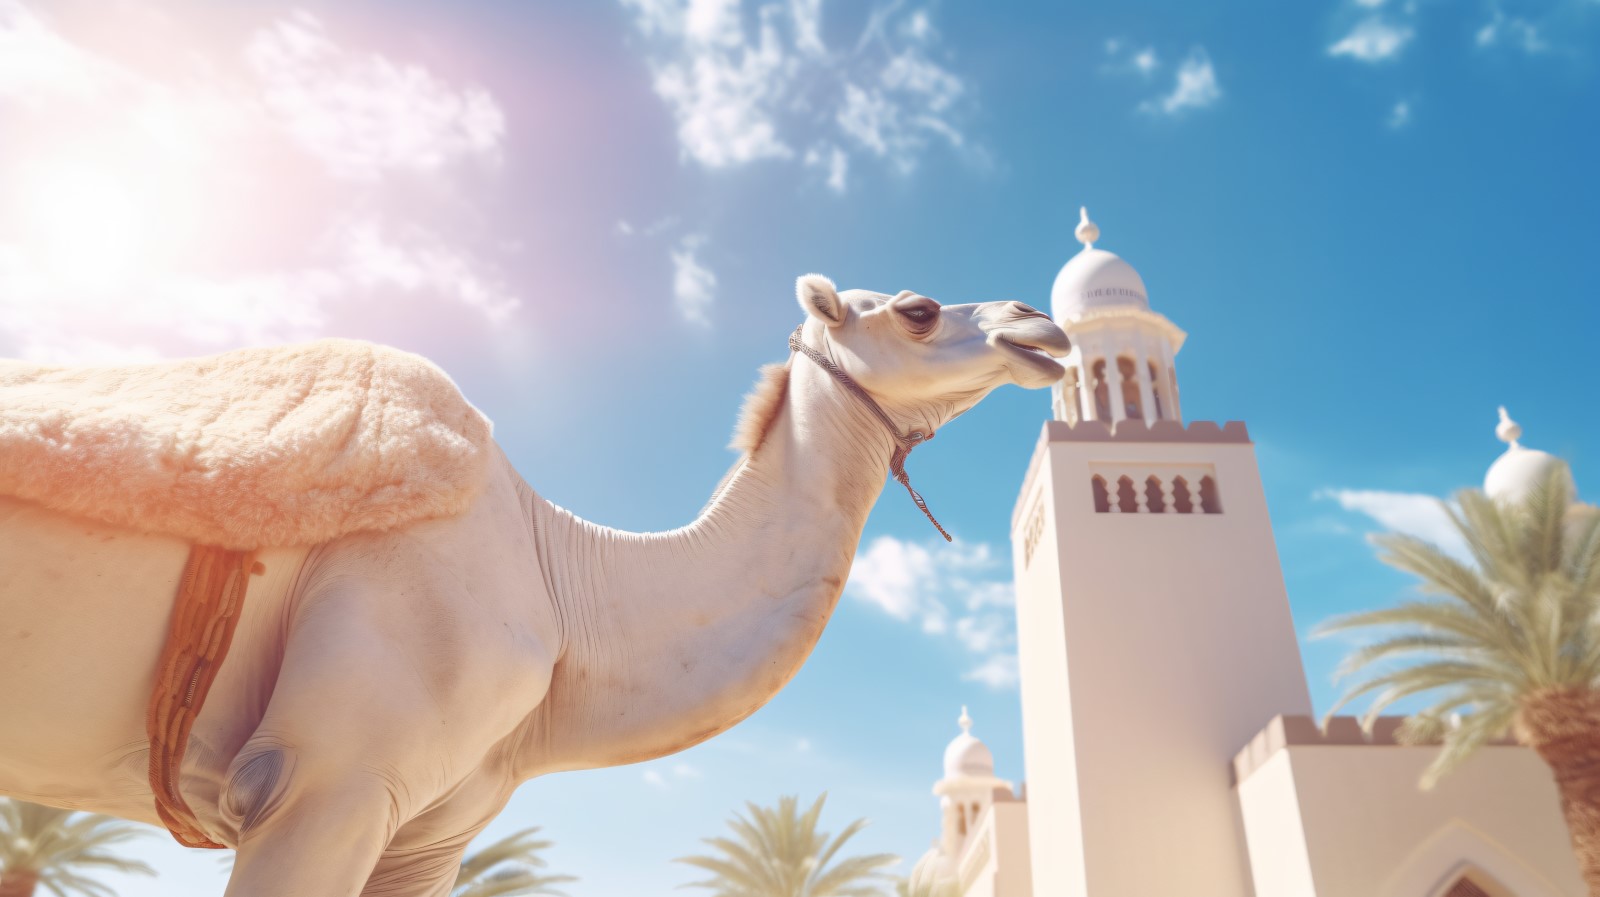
{"points": [[965, 722], [1087, 231], [1507, 429]]}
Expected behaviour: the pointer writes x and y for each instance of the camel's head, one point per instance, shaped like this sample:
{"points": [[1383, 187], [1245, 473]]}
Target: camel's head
{"points": [[925, 361]]}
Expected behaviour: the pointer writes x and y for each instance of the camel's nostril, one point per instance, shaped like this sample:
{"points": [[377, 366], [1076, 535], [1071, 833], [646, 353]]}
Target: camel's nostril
{"points": [[1022, 309]]}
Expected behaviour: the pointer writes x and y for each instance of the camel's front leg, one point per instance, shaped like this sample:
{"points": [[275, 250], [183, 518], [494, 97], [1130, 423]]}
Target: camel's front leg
{"points": [[424, 857], [317, 842], [373, 720]]}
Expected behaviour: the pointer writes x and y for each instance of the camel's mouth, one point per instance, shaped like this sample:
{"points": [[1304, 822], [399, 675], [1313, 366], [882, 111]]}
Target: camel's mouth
{"points": [[1035, 349]]}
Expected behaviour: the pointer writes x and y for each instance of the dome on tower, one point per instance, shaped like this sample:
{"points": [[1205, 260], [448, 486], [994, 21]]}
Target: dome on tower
{"points": [[1515, 473], [1095, 279], [966, 757]]}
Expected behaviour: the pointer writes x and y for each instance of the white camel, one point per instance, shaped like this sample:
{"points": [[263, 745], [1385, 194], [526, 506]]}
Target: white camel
{"points": [[386, 691]]}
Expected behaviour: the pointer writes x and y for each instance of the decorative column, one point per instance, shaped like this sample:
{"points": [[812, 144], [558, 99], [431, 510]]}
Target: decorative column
{"points": [[1170, 372], [1119, 409], [1086, 379], [1141, 368]]}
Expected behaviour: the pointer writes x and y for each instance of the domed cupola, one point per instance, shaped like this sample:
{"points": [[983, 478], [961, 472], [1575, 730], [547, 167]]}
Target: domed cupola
{"points": [[966, 757], [1120, 367], [1516, 472], [1095, 279]]}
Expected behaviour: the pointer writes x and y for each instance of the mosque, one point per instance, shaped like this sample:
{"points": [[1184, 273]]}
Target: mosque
{"points": [[1168, 736]]}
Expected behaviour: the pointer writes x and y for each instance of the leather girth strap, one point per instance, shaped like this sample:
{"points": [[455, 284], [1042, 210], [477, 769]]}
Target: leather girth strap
{"points": [[210, 597]]}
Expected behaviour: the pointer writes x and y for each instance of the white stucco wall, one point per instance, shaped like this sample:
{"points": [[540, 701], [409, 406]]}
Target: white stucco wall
{"points": [[1349, 820], [1152, 646], [995, 862]]}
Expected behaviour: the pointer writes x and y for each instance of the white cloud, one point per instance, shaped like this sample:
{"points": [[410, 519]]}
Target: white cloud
{"points": [[980, 635], [896, 576], [694, 286], [1373, 39], [753, 82], [1413, 514], [1195, 86], [999, 671], [35, 62], [663, 775], [958, 590], [46, 319], [1512, 31], [723, 91], [914, 73], [363, 114], [808, 26], [134, 178], [373, 259], [1123, 58], [835, 161], [1400, 115]]}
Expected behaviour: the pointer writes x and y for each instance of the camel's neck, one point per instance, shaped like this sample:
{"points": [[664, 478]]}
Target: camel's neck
{"points": [[670, 638]]}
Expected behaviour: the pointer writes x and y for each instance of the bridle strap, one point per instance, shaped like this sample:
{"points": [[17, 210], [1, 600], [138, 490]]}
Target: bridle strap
{"points": [[903, 444]]}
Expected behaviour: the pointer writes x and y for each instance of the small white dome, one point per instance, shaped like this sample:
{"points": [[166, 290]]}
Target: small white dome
{"points": [[1514, 474], [966, 757], [1095, 279]]}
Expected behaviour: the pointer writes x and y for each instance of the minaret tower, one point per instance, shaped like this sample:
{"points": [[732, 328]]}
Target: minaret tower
{"points": [[982, 847], [966, 791], [1120, 367], [1154, 633]]}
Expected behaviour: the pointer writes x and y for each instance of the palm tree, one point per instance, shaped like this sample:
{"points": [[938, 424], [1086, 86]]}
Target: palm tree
{"points": [[778, 852], [1510, 643], [506, 869], [51, 847]]}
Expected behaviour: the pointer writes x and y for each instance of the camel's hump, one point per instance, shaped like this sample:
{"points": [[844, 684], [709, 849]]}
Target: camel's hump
{"points": [[289, 445]]}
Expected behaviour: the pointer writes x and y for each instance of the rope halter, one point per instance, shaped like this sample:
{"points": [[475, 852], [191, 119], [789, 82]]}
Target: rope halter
{"points": [[903, 443]]}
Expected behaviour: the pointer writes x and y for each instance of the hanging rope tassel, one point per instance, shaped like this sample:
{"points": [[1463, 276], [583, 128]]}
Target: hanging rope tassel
{"points": [[897, 466]]}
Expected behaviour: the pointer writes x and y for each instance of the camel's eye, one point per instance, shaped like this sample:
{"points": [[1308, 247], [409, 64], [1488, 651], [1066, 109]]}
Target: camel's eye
{"points": [[919, 313]]}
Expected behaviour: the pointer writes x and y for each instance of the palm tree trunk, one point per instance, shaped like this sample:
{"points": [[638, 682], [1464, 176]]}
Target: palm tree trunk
{"points": [[18, 883], [1563, 726]]}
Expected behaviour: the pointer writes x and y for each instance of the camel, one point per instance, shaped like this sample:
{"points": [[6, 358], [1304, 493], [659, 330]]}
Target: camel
{"points": [[387, 690]]}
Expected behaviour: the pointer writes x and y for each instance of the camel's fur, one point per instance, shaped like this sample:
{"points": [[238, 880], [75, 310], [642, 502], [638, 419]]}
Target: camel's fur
{"points": [[761, 407], [294, 445]]}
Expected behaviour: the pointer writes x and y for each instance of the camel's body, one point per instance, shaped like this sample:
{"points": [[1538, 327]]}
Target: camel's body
{"points": [[386, 692]]}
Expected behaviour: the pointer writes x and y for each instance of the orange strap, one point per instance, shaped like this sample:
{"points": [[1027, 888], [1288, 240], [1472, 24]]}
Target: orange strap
{"points": [[210, 596]]}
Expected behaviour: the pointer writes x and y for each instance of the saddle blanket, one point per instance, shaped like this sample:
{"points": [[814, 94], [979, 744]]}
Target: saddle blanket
{"points": [[282, 446]]}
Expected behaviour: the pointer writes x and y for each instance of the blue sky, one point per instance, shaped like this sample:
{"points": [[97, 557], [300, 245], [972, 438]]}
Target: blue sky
{"points": [[1376, 219]]}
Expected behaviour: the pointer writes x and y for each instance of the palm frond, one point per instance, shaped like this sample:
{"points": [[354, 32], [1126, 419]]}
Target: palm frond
{"points": [[1522, 616], [778, 851], [506, 867], [57, 844]]}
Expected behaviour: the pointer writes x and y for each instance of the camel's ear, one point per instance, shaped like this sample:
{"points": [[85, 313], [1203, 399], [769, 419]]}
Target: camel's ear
{"points": [[820, 300]]}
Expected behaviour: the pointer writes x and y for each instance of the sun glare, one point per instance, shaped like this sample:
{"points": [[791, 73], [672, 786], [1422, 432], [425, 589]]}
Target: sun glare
{"points": [[84, 222]]}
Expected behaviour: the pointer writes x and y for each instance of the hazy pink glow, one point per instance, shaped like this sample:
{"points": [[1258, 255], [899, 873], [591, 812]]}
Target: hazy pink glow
{"points": [[244, 195]]}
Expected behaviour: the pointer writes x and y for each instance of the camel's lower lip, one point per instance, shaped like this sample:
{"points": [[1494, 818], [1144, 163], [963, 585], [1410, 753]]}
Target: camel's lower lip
{"points": [[1033, 355]]}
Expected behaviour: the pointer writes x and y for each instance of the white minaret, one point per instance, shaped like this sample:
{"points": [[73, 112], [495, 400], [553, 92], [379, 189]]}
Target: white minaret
{"points": [[966, 790], [982, 849], [1120, 367], [1154, 632]]}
